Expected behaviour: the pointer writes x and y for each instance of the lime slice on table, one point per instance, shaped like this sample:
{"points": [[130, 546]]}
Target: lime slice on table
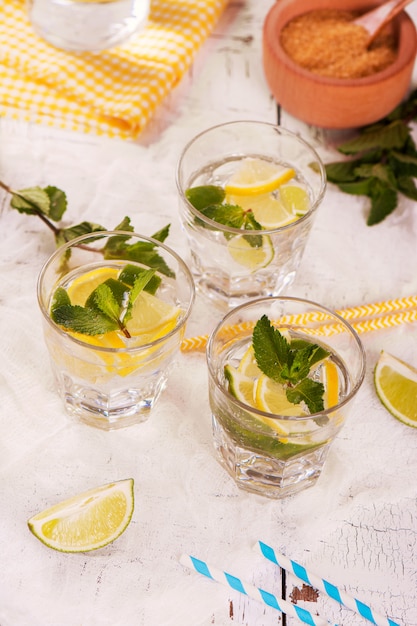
{"points": [[251, 257], [396, 386], [257, 176], [87, 521]]}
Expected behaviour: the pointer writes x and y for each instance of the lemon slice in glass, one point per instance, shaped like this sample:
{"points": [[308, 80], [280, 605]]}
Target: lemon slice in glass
{"points": [[330, 379], [396, 386], [241, 386], [268, 211], [257, 176], [248, 365], [152, 317], [248, 256], [87, 521], [82, 286], [295, 199], [270, 397]]}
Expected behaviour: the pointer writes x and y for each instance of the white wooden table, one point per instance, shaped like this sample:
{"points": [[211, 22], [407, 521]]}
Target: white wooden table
{"points": [[357, 527]]}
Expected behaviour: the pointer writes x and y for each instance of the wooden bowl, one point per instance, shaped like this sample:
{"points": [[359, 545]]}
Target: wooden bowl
{"points": [[335, 102]]}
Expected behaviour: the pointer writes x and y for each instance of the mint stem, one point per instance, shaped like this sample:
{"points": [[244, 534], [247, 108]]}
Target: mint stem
{"points": [[49, 224]]}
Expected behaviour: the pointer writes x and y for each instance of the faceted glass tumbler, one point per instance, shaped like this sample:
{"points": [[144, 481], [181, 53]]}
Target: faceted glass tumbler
{"points": [[270, 454], [109, 381]]}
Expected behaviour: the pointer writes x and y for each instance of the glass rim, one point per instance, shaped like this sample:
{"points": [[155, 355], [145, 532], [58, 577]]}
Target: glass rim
{"points": [[130, 349], [282, 131], [248, 408]]}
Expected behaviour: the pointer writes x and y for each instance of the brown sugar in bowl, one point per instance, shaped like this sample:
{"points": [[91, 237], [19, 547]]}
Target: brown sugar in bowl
{"points": [[336, 103]]}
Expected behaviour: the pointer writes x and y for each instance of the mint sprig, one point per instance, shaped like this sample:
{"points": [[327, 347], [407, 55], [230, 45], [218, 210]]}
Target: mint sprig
{"points": [[209, 200], [50, 203], [382, 163], [289, 363], [107, 308]]}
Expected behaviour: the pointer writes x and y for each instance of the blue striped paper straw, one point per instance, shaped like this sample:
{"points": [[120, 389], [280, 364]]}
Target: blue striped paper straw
{"points": [[323, 585], [251, 591]]}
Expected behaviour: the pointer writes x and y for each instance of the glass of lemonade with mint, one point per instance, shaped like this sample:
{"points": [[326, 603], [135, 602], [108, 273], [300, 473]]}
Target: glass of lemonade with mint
{"points": [[249, 192], [115, 306], [283, 375]]}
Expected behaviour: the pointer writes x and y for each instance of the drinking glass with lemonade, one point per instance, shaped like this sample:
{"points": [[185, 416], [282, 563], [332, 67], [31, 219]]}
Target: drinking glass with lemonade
{"points": [[115, 306], [249, 192], [283, 374]]}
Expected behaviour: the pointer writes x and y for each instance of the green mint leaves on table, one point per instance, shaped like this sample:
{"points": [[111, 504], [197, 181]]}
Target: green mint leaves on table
{"points": [[50, 204], [209, 201], [289, 364], [108, 307], [383, 163]]}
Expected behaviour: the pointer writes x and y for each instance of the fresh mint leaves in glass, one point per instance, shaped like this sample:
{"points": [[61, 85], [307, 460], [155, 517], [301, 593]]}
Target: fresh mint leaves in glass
{"points": [[249, 192], [115, 306], [283, 374]]}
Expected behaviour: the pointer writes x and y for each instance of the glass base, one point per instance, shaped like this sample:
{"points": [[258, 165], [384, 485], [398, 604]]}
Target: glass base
{"points": [[228, 293], [109, 411], [264, 475]]}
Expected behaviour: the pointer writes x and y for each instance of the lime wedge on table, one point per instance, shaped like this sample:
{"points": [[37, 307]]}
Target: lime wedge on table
{"points": [[256, 176], [87, 521], [396, 386]]}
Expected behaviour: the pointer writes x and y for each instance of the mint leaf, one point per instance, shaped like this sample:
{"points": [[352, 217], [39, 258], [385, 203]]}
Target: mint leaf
{"points": [[162, 234], [385, 153], [60, 298], [358, 188], [204, 196], [298, 366], [81, 320], [405, 164], [57, 203], [289, 363], [383, 202], [271, 349], [309, 391], [140, 284], [130, 273], [407, 186], [31, 201], [108, 298], [393, 135], [63, 235], [125, 225], [226, 214]]}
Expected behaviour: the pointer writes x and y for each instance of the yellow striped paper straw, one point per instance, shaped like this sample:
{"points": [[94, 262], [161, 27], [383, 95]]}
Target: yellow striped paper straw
{"points": [[382, 315]]}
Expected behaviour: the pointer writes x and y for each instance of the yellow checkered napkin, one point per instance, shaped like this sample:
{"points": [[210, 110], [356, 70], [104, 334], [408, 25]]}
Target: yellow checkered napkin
{"points": [[112, 93]]}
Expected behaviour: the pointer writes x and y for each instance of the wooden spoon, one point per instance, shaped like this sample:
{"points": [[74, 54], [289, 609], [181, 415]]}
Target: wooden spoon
{"points": [[375, 20]]}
